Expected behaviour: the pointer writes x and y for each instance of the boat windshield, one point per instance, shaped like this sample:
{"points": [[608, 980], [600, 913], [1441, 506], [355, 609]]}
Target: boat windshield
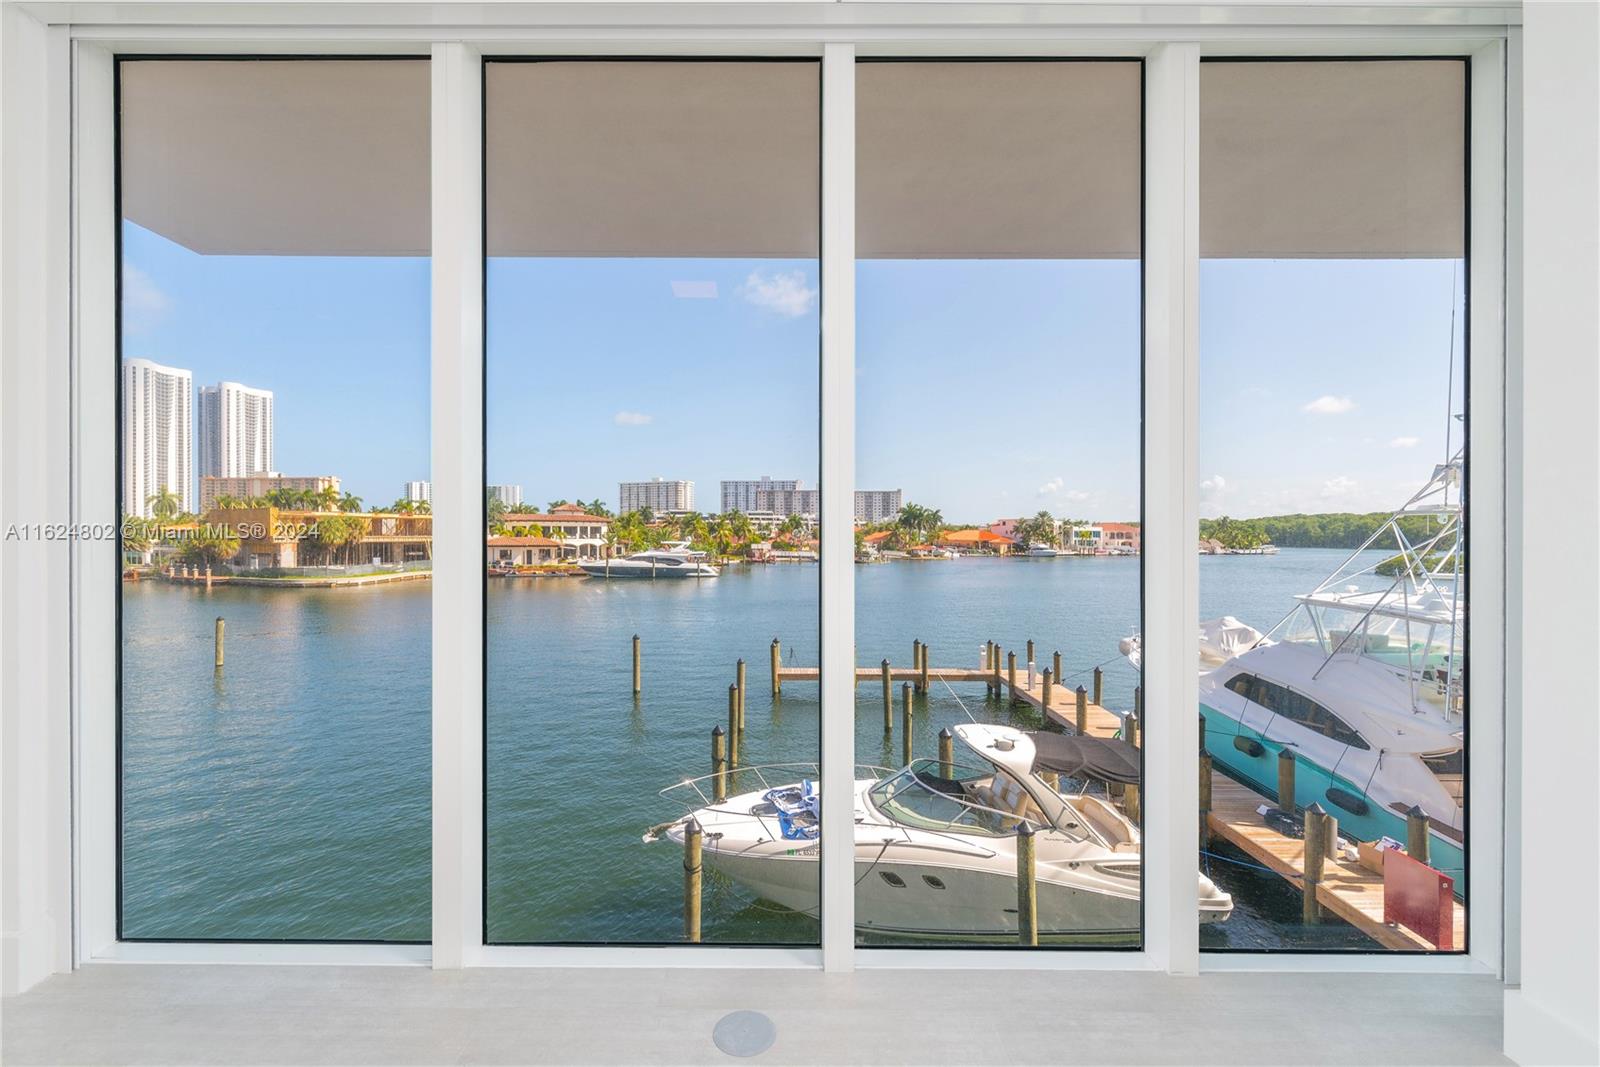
{"points": [[923, 797]]}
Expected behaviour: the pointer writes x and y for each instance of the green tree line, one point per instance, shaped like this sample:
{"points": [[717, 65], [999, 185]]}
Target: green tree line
{"points": [[1332, 530]]}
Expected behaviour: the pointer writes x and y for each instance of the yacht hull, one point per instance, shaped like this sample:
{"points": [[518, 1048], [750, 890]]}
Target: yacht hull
{"points": [[1313, 784]]}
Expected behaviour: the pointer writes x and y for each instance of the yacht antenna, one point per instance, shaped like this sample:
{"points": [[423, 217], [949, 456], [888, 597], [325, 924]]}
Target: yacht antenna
{"points": [[1450, 373]]}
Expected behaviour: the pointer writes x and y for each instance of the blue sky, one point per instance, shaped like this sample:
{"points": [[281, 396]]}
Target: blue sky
{"points": [[985, 388]]}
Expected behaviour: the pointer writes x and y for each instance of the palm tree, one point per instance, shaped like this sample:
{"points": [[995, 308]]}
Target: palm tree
{"points": [[164, 503], [743, 529], [494, 508], [349, 502], [137, 535]]}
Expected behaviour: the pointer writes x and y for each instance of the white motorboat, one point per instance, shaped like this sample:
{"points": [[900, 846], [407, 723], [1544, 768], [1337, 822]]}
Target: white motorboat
{"points": [[1361, 681], [674, 559], [1043, 550], [935, 845]]}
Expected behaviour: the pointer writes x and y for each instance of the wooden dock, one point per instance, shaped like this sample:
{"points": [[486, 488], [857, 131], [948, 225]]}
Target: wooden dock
{"points": [[1347, 890], [1063, 709]]}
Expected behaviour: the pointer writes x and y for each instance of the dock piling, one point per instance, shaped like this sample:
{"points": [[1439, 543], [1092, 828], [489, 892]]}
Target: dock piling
{"points": [[719, 766], [1030, 650], [1130, 728], [1082, 721], [1286, 779], [733, 726], [638, 678], [1011, 674], [905, 722], [777, 666], [1027, 886], [1130, 802], [916, 654], [1205, 800], [1202, 731], [1417, 834], [947, 754], [1099, 685], [1138, 700], [1316, 852], [1047, 685], [739, 681], [1055, 664], [923, 668], [691, 881], [888, 699], [218, 657]]}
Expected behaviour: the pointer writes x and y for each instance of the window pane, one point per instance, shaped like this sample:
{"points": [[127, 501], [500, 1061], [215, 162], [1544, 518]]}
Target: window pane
{"points": [[275, 623], [652, 376], [1332, 452], [998, 442]]}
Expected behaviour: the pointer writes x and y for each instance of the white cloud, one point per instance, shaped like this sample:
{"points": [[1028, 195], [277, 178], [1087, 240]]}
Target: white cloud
{"points": [[1054, 485], [694, 290], [143, 303], [1329, 405], [1213, 487], [786, 294], [1405, 442], [632, 418], [1340, 486]]}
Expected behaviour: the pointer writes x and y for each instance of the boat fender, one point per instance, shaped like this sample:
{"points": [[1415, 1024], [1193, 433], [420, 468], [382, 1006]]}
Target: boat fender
{"points": [[1282, 821], [1348, 801], [1248, 745]]}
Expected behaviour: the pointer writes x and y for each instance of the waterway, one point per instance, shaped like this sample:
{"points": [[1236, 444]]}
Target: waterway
{"points": [[287, 797]]}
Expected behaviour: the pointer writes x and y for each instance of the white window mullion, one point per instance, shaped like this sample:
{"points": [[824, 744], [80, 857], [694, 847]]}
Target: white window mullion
{"points": [[1171, 507], [1486, 502], [96, 562], [838, 504], [457, 430]]}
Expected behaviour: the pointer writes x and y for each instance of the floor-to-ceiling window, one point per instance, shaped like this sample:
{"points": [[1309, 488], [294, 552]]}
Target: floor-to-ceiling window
{"points": [[276, 538], [998, 508], [652, 368], [1333, 591]]}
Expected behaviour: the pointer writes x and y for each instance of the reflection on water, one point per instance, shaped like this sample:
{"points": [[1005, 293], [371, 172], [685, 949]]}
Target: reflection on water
{"points": [[289, 798]]}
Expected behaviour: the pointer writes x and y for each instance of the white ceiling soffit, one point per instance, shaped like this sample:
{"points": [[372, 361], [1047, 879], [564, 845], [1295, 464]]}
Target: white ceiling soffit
{"points": [[278, 157], [958, 160], [1019, 160], [653, 158], [1352, 159]]}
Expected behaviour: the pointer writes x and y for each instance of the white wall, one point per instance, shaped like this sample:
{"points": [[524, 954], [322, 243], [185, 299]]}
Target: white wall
{"points": [[35, 710], [1553, 1017]]}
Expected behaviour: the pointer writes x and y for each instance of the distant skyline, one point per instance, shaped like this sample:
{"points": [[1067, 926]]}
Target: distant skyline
{"points": [[986, 389]]}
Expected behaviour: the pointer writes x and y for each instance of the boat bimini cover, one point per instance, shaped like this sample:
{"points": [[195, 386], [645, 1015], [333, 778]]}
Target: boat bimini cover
{"points": [[799, 810], [1103, 758]]}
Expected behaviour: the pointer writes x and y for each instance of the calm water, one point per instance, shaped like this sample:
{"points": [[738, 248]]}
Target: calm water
{"points": [[289, 799]]}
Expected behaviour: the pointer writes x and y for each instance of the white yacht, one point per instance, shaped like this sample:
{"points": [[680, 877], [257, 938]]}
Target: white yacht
{"points": [[1043, 550], [935, 846], [674, 559], [1362, 681]]}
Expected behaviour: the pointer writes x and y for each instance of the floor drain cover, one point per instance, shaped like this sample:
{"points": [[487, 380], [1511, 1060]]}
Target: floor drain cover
{"points": [[744, 1033]]}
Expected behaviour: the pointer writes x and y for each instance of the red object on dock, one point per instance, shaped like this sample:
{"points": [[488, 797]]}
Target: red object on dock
{"points": [[1420, 898]]}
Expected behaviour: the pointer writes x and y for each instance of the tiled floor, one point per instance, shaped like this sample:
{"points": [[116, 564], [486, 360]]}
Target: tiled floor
{"points": [[314, 1014]]}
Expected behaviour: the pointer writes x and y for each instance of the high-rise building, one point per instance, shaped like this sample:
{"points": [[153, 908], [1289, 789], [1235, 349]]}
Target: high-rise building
{"points": [[251, 486], [742, 495], [157, 435], [419, 492], [509, 495], [661, 497], [235, 430], [877, 505], [786, 502]]}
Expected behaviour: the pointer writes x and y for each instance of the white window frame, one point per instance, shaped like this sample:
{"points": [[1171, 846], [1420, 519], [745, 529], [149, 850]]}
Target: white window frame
{"points": [[1171, 39]]}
